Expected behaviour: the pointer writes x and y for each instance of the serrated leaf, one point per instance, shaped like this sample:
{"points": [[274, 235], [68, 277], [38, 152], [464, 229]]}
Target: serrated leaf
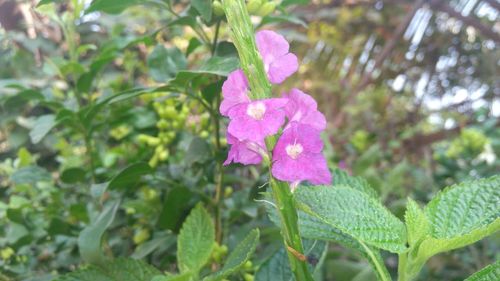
{"points": [[354, 213], [277, 268], [238, 257], [196, 240], [462, 214], [42, 127], [315, 229], [341, 177], [89, 240], [417, 224], [115, 270], [489, 273]]}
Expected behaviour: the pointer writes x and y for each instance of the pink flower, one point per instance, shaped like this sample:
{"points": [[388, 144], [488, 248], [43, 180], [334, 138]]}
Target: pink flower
{"points": [[244, 152], [234, 91], [278, 62], [297, 156], [302, 108], [257, 119]]}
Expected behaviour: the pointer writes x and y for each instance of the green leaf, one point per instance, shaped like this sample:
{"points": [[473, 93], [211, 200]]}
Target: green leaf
{"points": [[164, 63], [174, 208], [461, 215], [341, 177], [116, 270], [417, 224], [277, 268], [196, 240], [238, 257], [30, 175], [354, 213], [130, 176], [198, 151], [42, 127], [220, 66], [89, 240], [111, 6], [489, 273], [73, 175], [204, 7]]}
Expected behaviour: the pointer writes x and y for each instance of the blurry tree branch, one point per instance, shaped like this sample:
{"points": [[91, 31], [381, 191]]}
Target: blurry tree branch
{"points": [[468, 20], [382, 56]]}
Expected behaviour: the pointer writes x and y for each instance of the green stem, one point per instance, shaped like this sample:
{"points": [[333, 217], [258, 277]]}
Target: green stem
{"points": [[402, 267], [243, 35], [290, 229], [381, 269]]}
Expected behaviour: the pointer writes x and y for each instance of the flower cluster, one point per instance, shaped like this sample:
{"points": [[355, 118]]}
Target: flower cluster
{"points": [[297, 155]]}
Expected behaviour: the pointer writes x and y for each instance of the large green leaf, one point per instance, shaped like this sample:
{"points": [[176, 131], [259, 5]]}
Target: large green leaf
{"points": [[461, 215], [277, 268], [175, 208], [89, 241], [313, 228], [238, 257], [355, 213], [114, 270], [196, 240], [489, 273]]}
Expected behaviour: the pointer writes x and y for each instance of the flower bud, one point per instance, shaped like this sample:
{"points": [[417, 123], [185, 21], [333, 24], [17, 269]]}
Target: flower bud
{"points": [[163, 155], [152, 141], [141, 236], [253, 6], [266, 9], [217, 8], [228, 191], [248, 277]]}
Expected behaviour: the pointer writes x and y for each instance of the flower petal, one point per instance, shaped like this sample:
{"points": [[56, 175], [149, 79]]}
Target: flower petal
{"points": [[234, 91], [282, 67], [271, 45]]}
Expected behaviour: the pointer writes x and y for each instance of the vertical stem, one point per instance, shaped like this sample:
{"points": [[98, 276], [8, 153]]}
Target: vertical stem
{"points": [[218, 177], [243, 35], [290, 229]]}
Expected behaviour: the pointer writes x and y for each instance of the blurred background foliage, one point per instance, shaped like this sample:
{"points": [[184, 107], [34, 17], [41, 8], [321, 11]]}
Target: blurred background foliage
{"points": [[117, 100]]}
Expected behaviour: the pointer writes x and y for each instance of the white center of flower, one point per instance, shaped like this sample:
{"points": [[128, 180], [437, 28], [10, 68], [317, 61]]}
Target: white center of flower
{"points": [[294, 150], [256, 110]]}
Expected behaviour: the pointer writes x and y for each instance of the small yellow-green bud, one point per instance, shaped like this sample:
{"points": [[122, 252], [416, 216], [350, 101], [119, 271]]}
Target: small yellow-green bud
{"points": [[266, 9], [228, 191], [253, 6], [141, 236], [217, 8], [248, 277]]}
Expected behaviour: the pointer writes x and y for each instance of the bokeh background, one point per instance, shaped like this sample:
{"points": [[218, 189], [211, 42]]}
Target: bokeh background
{"points": [[410, 89]]}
